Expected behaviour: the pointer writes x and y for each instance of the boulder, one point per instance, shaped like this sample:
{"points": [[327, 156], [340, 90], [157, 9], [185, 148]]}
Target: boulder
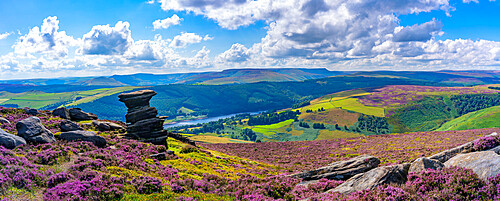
{"points": [[484, 163], [77, 114], [61, 112], [10, 141], [135, 115], [137, 98], [87, 136], [143, 127], [341, 170], [31, 111], [106, 126], [32, 130], [394, 175], [495, 149], [424, 163], [67, 125], [159, 156], [4, 121], [450, 153]]}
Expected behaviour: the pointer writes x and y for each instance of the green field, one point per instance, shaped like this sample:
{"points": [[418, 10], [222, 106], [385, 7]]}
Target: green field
{"points": [[353, 104], [485, 118]]}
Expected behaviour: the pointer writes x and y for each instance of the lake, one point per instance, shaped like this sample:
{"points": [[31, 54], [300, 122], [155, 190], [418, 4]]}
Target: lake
{"points": [[206, 120]]}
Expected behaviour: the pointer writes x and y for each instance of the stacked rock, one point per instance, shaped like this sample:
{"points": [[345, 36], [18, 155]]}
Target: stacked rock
{"points": [[141, 118]]}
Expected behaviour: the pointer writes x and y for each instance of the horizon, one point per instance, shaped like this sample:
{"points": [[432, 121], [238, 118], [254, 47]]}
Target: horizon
{"points": [[44, 40]]}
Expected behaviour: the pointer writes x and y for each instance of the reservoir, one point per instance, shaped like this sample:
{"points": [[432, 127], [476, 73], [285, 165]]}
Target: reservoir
{"points": [[206, 120]]}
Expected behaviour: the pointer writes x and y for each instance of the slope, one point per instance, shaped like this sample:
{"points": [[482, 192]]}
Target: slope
{"points": [[485, 118]]}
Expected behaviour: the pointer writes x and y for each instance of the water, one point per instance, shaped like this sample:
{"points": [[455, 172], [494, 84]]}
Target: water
{"points": [[206, 120]]}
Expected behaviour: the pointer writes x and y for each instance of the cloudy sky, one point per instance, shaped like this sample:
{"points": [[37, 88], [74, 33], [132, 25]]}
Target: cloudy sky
{"points": [[61, 38]]}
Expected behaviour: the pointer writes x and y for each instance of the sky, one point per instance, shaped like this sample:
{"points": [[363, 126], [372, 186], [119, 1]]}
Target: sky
{"points": [[70, 38]]}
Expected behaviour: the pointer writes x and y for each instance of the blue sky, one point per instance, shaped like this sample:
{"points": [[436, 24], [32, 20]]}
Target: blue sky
{"points": [[97, 37]]}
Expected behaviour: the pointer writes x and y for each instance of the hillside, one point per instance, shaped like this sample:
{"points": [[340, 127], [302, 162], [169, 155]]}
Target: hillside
{"points": [[358, 112], [485, 118], [100, 81], [126, 169]]}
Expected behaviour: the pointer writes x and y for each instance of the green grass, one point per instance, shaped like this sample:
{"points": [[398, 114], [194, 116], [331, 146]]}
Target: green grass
{"points": [[272, 129], [352, 104], [485, 118]]}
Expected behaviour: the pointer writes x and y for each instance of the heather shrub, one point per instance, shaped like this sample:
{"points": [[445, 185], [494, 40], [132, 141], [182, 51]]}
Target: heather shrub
{"points": [[58, 178], [147, 185], [188, 149], [486, 142], [101, 187]]}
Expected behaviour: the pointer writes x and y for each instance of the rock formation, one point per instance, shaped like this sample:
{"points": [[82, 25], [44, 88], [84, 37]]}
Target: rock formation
{"points": [[10, 141], [67, 125], [424, 163], [106, 126], [4, 121], [32, 130], [142, 118], [484, 163], [77, 114], [87, 136], [61, 112], [395, 174], [341, 170]]}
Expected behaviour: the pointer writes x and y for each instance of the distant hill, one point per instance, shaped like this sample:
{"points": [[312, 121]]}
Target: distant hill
{"points": [[485, 118], [100, 81], [446, 77]]}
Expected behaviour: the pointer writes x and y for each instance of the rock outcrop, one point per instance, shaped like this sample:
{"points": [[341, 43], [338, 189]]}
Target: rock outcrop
{"points": [[4, 121], [32, 130], [31, 111], [76, 114], [495, 149], [10, 141], [484, 163], [107, 126], [394, 175], [142, 119], [67, 125], [450, 153], [341, 170], [61, 112], [87, 136], [424, 163]]}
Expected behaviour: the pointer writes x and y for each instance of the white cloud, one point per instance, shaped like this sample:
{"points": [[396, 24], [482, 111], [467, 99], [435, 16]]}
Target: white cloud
{"points": [[4, 35], [165, 23], [418, 32], [237, 53], [468, 1], [106, 40], [184, 39], [46, 40]]}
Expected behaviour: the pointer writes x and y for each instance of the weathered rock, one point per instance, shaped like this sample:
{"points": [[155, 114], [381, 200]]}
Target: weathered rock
{"points": [[67, 125], [144, 127], [450, 153], [87, 136], [484, 163], [395, 174], [61, 112], [425, 163], [31, 111], [4, 121], [106, 126], [135, 115], [341, 170], [77, 114], [159, 156], [495, 149], [10, 141], [137, 98], [32, 130], [181, 138]]}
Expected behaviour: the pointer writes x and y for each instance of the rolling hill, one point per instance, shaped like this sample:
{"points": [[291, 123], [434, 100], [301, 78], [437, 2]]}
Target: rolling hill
{"points": [[485, 118]]}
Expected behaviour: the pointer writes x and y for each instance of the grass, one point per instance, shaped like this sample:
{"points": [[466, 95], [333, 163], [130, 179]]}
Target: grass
{"points": [[353, 104], [331, 116], [272, 129], [485, 118]]}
